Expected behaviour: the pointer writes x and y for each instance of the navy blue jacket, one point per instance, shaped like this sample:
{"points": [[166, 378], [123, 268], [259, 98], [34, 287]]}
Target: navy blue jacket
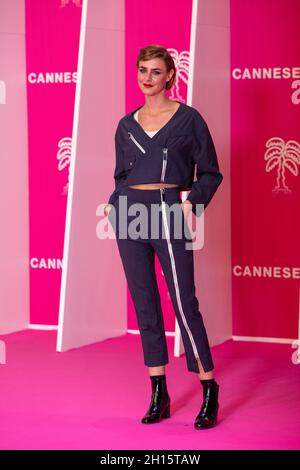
{"points": [[169, 156]]}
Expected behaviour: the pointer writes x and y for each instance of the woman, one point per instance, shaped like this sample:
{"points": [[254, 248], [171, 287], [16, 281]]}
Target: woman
{"points": [[157, 148]]}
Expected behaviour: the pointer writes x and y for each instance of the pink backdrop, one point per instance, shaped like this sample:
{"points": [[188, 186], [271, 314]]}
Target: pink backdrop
{"points": [[52, 39], [144, 26], [265, 222]]}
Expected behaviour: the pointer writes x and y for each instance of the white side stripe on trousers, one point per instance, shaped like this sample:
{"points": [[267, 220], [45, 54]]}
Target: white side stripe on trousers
{"points": [[170, 249]]}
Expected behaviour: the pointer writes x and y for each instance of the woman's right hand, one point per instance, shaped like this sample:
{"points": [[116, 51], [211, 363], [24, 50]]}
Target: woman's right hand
{"points": [[107, 209]]}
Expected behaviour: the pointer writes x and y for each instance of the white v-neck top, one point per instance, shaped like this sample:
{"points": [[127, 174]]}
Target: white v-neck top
{"points": [[150, 133]]}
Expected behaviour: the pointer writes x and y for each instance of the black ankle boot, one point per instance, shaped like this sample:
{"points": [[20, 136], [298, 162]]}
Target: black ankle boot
{"points": [[160, 401], [207, 417]]}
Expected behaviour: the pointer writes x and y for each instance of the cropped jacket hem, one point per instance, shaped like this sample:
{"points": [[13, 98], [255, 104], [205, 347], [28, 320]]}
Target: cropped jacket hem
{"points": [[170, 156]]}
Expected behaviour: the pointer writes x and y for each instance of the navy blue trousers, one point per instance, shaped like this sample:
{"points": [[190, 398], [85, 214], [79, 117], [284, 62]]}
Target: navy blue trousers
{"points": [[138, 259]]}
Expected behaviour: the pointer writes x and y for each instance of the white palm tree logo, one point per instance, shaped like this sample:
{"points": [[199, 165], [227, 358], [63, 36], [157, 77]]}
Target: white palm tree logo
{"points": [[64, 157], [182, 63], [283, 156]]}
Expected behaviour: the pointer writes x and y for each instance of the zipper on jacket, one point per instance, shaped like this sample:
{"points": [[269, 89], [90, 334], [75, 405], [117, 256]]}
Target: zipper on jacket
{"points": [[136, 142], [164, 165]]}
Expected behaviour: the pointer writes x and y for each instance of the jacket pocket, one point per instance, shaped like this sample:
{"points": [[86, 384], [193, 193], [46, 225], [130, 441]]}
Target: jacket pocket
{"points": [[179, 138], [178, 134], [131, 136]]}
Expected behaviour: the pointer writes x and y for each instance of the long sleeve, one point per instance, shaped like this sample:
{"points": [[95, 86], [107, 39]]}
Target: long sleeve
{"points": [[208, 176], [119, 173]]}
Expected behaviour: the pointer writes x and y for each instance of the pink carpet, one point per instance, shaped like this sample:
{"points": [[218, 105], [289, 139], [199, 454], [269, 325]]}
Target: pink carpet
{"points": [[94, 397]]}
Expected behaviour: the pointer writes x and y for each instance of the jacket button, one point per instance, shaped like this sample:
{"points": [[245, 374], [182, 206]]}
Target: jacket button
{"points": [[130, 163]]}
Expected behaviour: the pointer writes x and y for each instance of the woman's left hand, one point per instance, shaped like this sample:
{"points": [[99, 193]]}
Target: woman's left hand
{"points": [[186, 207]]}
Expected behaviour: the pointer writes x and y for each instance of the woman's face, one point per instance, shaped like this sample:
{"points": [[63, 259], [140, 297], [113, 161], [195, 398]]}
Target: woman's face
{"points": [[153, 72]]}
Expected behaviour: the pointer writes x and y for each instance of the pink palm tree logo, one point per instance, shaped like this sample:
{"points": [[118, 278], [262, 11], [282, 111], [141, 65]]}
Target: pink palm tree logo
{"points": [[63, 3], [283, 156]]}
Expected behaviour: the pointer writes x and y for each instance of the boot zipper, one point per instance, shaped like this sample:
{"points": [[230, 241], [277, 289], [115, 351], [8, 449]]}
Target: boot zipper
{"points": [[164, 165], [136, 142]]}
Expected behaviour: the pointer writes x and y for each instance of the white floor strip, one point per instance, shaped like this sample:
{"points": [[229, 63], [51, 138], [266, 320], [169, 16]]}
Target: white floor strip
{"points": [[137, 332], [36, 326], [263, 339]]}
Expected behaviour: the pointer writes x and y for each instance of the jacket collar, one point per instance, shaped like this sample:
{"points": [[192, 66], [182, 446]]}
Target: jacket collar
{"points": [[162, 132]]}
